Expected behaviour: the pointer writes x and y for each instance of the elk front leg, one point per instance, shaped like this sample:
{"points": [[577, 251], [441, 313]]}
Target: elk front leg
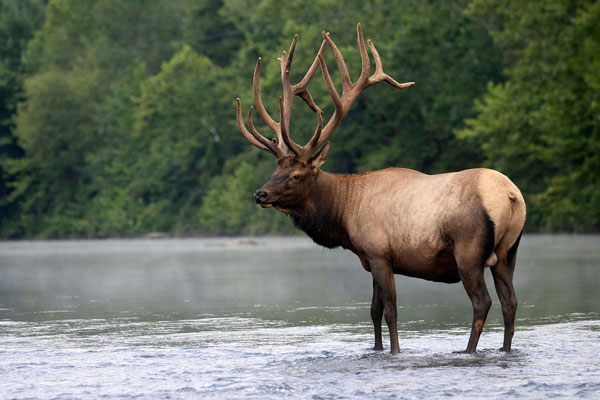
{"points": [[383, 278], [377, 315]]}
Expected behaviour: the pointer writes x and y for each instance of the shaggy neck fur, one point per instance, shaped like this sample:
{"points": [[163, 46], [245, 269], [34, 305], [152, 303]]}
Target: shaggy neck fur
{"points": [[321, 215]]}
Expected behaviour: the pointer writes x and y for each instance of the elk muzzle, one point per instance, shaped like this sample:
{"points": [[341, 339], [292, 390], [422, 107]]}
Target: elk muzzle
{"points": [[260, 196]]}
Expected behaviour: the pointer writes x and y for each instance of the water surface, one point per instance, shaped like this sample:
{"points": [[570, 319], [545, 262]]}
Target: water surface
{"points": [[281, 317]]}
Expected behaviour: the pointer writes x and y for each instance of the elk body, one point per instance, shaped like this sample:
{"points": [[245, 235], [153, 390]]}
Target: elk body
{"points": [[443, 228]]}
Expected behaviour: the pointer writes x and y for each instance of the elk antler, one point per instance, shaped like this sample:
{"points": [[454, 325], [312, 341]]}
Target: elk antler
{"points": [[283, 145], [350, 91]]}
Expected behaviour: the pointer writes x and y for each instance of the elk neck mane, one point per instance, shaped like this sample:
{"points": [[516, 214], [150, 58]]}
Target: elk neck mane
{"points": [[321, 215]]}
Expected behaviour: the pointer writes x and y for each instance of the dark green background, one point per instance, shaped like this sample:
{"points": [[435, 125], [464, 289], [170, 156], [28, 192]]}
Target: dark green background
{"points": [[117, 118]]}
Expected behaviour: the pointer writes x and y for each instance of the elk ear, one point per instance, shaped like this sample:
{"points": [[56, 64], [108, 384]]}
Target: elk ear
{"points": [[318, 159]]}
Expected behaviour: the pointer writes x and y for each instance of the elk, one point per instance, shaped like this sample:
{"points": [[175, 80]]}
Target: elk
{"points": [[444, 228]]}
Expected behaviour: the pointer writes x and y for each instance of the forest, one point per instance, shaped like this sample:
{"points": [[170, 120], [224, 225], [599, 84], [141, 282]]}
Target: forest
{"points": [[118, 118]]}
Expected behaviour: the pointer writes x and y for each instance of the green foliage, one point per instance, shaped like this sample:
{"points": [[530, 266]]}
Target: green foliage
{"points": [[18, 21], [106, 34], [451, 58], [57, 128], [209, 33], [541, 126], [121, 118], [175, 127], [228, 209], [70, 123]]}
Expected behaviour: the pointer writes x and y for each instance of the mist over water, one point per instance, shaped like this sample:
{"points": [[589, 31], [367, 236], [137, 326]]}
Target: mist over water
{"points": [[282, 318]]}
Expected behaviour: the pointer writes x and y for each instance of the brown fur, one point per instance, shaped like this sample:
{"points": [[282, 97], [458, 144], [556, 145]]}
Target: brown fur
{"points": [[443, 228]]}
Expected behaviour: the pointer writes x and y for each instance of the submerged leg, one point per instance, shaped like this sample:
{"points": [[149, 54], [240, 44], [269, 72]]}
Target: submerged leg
{"points": [[503, 277], [377, 315], [471, 275], [383, 276]]}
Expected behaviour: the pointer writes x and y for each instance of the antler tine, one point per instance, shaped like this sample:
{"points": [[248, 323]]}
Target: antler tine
{"points": [[288, 61], [350, 91], [311, 146], [318, 138], [304, 95], [300, 90], [379, 75], [364, 57], [296, 149], [301, 86], [288, 94], [253, 136], [272, 146], [275, 126], [337, 101], [258, 101], [285, 105], [339, 59]]}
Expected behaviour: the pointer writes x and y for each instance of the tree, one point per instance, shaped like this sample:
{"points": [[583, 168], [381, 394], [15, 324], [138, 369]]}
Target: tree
{"points": [[541, 126], [451, 57], [57, 127], [449, 54], [228, 208], [177, 128], [208, 33], [76, 64], [18, 22], [126, 118]]}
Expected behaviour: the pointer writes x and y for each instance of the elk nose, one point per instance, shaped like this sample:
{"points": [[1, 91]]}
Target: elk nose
{"points": [[260, 196]]}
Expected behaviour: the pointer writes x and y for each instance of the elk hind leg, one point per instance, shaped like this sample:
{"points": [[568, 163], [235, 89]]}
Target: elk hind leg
{"points": [[471, 275], [503, 280]]}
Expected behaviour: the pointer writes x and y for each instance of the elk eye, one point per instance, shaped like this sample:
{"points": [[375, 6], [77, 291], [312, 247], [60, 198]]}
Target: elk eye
{"points": [[296, 177]]}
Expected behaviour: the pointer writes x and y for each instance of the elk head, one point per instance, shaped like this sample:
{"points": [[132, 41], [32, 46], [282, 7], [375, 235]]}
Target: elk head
{"points": [[298, 166]]}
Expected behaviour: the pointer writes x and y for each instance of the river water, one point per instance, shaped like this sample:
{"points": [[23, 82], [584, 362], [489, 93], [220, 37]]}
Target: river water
{"points": [[271, 318]]}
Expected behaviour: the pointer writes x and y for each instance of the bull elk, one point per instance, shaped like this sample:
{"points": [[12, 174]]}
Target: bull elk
{"points": [[443, 228]]}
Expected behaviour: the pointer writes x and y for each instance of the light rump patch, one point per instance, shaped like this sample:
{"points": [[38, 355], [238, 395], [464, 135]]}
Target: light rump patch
{"points": [[505, 206]]}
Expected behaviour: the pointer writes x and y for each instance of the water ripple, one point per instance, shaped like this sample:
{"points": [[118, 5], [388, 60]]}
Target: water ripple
{"points": [[252, 358]]}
